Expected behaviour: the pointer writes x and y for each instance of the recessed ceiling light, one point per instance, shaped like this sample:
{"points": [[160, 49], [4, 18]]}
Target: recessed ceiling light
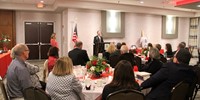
{"points": [[141, 1], [42, 1], [40, 5], [198, 5]]}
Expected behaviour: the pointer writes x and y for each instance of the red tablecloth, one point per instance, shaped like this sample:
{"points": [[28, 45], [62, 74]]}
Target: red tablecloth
{"points": [[5, 60]]}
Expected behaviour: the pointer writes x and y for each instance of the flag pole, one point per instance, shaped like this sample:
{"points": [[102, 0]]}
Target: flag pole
{"points": [[70, 41]]}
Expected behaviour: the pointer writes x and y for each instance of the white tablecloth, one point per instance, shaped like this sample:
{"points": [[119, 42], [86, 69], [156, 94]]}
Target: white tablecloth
{"points": [[98, 85]]}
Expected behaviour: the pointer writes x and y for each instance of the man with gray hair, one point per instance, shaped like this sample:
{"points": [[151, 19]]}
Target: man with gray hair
{"points": [[18, 75], [78, 56], [125, 55]]}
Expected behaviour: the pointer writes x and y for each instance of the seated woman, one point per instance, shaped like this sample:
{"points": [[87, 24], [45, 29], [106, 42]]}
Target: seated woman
{"points": [[62, 84], [111, 49], [123, 78], [154, 63], [49, 64], [53, 56], [168, 52], [162, 58]]}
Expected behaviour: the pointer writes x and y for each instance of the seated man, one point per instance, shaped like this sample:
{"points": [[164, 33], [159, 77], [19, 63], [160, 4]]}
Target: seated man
{"points": [[154, 64], [18, 75], [125, 55], [169, 75], [78, 56]]}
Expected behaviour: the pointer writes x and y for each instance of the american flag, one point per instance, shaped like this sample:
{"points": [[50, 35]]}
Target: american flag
{"points": [[75, 34]]}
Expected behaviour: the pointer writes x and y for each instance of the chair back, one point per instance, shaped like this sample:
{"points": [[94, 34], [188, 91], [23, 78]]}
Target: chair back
{"points": [[192, 88], [3, 90], [196, 68], [33, 93], [29, 93], [41, 95], [126, 94], [138, 62], [180, 91], [114, 60]]}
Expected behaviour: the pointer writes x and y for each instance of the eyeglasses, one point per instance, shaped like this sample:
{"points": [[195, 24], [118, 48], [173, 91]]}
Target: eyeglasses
{"points": [[27, 50]]}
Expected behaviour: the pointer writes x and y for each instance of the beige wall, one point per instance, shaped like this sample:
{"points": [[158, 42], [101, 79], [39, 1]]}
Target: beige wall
{"points": [[23, 16], [89, 21]]}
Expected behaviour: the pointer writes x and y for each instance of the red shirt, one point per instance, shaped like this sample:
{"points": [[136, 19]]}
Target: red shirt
{"points": [[54, 43], [51, 62]]}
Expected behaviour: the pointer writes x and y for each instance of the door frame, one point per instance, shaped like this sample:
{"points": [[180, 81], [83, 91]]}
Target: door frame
{"points": [[39, 44]]}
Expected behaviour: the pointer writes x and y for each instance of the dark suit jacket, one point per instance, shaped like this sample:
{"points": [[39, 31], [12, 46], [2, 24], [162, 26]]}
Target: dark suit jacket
{"points": [[78, 56], [152, 66], [166, 78], [98, 48], [169, 54], [96, 39], [117, 52], [129, 57], [106, 55]]}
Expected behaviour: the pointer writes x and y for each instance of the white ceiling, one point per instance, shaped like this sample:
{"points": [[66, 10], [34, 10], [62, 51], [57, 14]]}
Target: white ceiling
{"points": [[27, 1], [53, 5]]}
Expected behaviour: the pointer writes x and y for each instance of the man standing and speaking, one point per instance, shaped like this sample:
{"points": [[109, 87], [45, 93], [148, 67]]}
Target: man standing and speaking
{"points": [[98, 44]]}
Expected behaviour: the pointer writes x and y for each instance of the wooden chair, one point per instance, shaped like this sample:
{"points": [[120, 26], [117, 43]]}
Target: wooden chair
{"points": [[33, 93], [3, 90], [126, 94], [179, 92]]}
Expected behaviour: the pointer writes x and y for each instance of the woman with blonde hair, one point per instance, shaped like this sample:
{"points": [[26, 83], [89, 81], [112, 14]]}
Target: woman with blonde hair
{"points": [[53, 41], [111, 49], [62, 84]]}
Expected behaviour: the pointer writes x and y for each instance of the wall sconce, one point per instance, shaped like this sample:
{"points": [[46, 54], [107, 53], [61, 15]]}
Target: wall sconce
{"points": [[113, 23], [169, 27]]}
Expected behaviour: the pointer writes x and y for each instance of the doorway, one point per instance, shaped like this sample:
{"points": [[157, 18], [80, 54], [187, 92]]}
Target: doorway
{"points": [[37, 38]]}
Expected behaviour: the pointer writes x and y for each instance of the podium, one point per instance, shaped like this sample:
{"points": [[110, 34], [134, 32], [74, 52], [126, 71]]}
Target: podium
{"points": [[100, 47]]}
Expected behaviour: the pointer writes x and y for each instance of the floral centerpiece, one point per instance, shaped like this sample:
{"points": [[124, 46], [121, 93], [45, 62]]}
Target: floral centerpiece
{"points": [[96, 66], [4, 39], [145, 51]]}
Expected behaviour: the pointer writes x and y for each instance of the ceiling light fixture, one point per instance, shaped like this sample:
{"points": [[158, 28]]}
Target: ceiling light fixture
{"points": [[40, 5], [42, 1], [141, 1], [198, 5]]}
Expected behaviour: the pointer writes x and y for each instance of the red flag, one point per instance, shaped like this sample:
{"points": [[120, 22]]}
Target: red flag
{"points": [[75, 34]]}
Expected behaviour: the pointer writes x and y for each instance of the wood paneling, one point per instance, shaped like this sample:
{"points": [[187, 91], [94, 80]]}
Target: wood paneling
{"points": [[8, 26]]}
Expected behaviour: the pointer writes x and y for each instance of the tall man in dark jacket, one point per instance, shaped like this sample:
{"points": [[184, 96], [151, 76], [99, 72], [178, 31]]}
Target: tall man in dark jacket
{"points": [[78, 56], [169, 75], [98, 44]]}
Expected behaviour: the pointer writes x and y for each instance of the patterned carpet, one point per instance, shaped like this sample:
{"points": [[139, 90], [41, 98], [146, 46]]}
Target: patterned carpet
{"points": [[41, 62]]}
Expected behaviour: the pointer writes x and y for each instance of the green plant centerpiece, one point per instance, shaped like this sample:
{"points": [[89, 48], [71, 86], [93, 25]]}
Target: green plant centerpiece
{"points": [[5, 40], [96, 66]]}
